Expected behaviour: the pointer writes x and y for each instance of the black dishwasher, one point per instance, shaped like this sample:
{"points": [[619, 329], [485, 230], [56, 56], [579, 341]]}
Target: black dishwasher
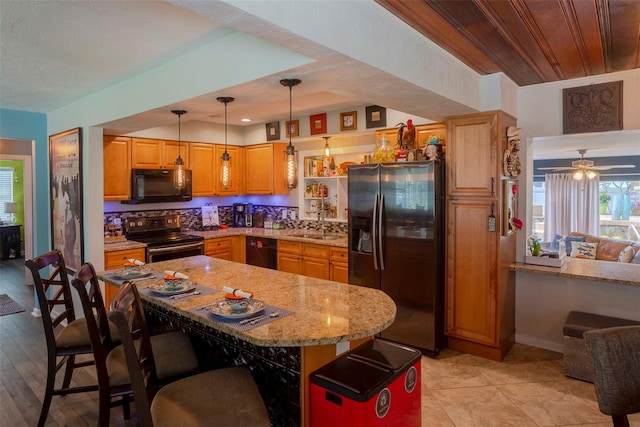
{"points": [[262, 252]]}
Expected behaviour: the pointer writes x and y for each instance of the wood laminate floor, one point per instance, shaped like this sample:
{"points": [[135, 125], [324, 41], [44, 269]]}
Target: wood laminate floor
{"points": [[527, 389]]}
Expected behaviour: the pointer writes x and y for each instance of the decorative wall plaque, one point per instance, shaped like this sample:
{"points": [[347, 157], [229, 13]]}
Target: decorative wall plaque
{"points": [[593, 108]]}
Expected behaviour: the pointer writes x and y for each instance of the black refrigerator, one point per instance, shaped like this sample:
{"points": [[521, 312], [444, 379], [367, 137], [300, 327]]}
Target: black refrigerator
{"points": [[396, 244]]}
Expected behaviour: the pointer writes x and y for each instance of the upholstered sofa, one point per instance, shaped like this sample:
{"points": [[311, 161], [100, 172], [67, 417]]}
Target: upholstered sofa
{"points": [[607, 250]]}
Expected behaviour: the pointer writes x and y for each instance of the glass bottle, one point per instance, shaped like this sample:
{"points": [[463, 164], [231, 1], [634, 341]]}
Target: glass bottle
{"points": [[383, 152]]}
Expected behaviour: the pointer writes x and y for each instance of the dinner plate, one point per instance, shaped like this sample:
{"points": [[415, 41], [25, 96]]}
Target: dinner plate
{"points": [[223, 309], [164, 289], [132, 274]]}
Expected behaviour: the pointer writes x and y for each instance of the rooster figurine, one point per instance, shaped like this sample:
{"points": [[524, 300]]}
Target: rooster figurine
{"points": [[406, 135]]}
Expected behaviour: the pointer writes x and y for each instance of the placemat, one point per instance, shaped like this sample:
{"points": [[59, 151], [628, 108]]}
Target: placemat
{"points": [[235, 323], [203, 290]]}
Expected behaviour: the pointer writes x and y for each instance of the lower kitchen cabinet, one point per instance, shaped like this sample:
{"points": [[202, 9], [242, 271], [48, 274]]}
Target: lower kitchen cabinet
{"points": [[231, 248], [339, 265], [303, 258], [221, 248], [115, 260]]}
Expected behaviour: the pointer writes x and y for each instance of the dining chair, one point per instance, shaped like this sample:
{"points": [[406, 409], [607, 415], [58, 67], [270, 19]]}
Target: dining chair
{"points": [[64, 343], [616, 364], [226, 396], [176, 355]]}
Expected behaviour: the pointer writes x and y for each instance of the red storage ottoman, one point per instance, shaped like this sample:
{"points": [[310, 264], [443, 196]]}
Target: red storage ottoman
{"points": [[376, 384]]}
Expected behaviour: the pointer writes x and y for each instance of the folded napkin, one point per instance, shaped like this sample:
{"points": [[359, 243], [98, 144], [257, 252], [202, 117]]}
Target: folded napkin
{"points": [[176, 274], [135, 261], [237, 292]]}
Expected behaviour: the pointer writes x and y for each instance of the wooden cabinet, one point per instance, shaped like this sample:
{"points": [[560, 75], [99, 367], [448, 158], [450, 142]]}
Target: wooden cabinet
{"points": [[264, 169], [303, 258], [339, 265], [158, 154], [115, 260], [221, 248], [204, 162], [231, 248], [480, 288], [116, 167]]}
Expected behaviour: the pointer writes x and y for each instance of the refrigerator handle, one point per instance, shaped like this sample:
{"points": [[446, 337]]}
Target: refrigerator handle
{"points": [[373, 230], [379, 223]]}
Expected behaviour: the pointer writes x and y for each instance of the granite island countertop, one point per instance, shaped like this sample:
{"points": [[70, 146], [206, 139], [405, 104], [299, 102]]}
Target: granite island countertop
{"points": [[325, 312], [602, 271]]}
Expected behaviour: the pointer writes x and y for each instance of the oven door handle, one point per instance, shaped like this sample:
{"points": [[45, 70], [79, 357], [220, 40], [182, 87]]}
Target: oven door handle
{"points": [[175, 248]]}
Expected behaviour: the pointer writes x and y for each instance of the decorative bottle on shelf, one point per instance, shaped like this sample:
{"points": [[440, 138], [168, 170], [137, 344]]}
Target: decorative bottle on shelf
{"points": [[383, 153]]}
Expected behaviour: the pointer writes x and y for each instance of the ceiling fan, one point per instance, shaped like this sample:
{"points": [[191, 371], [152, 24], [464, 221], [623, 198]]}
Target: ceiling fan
{"points": [[585, 167]]}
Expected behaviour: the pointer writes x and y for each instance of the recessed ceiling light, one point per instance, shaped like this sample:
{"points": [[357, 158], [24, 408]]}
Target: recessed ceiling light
{"points": [[246, 119]]}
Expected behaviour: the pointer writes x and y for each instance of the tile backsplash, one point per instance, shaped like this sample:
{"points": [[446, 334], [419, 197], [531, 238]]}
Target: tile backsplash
{"points": [[192, 218]]}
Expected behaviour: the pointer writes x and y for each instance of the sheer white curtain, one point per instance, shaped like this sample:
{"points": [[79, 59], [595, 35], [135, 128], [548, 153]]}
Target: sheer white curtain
{"points": [[571, 205]]}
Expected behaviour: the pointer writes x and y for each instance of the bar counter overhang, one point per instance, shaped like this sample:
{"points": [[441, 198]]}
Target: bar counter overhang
{"points": [[282, 353]]}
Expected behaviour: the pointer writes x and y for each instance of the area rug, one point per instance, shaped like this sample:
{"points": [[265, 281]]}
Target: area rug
{"points": [[9, 306]]}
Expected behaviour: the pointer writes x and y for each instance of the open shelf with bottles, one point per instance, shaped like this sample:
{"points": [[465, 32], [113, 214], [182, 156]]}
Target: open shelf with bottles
{"points": [[324, 182]]}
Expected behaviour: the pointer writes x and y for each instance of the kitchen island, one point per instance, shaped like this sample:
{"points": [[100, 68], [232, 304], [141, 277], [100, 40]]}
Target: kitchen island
{"points": [[327, 318]]}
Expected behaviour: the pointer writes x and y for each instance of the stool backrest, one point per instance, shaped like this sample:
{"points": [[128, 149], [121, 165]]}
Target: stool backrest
{"points": [[127, 313], [50, 277], [88, 287]]}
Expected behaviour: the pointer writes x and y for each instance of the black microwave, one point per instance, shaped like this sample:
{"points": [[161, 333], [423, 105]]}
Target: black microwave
{"points": [[157, 186]]}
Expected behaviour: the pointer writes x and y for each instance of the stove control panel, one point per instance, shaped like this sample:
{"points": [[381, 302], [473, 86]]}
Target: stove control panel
{"points": [[156, 223]]}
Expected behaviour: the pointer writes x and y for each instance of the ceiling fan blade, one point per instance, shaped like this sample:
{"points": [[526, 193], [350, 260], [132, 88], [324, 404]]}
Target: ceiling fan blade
{"points": [[607, 167], [564, 168]]}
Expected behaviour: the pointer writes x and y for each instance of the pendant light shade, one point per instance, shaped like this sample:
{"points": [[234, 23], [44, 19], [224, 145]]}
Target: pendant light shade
{"points": [[291, 162], [327, 150], [179, 178], [225, 166]]}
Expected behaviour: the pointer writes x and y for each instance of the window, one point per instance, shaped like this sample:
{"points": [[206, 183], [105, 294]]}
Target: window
{"points": [[6, 190], [619, 209]]}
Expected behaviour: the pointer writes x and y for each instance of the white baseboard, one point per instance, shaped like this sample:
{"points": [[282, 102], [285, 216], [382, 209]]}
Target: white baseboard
{"points": [[537, 342]]}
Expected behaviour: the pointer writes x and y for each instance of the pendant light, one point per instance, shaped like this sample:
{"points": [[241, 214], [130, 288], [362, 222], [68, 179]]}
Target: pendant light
{"points": [[225, 167], [327, 150], [179, 174], [291, 163]]}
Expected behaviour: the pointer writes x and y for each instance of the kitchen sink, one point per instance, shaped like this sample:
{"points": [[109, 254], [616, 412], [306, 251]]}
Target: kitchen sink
{"points": [[317, 236]]}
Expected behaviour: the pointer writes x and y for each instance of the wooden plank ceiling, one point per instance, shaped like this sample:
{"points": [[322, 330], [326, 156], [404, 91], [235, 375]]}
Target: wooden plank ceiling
{"points": [[531, 41]]}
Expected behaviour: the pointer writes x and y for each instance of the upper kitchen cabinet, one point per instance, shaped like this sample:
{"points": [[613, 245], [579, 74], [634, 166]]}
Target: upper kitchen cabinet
{"points": [[206, 170], [237, 171], [117, 167], [158, 154], [473, 154], [264, 169]]}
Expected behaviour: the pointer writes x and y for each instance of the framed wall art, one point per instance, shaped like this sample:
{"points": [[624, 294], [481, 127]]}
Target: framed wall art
{"points": [[376, 116], [293, 128], [65, 166], [593, 108], [318, 124], [349, 120], [273, 131]]}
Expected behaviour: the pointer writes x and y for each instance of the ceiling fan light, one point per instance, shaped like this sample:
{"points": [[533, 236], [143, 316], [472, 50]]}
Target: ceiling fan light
{"points": [[578, 175], [591, 174]]}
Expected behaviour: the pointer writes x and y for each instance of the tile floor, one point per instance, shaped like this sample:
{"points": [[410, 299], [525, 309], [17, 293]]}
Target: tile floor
{"points": [[528, 388]]}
